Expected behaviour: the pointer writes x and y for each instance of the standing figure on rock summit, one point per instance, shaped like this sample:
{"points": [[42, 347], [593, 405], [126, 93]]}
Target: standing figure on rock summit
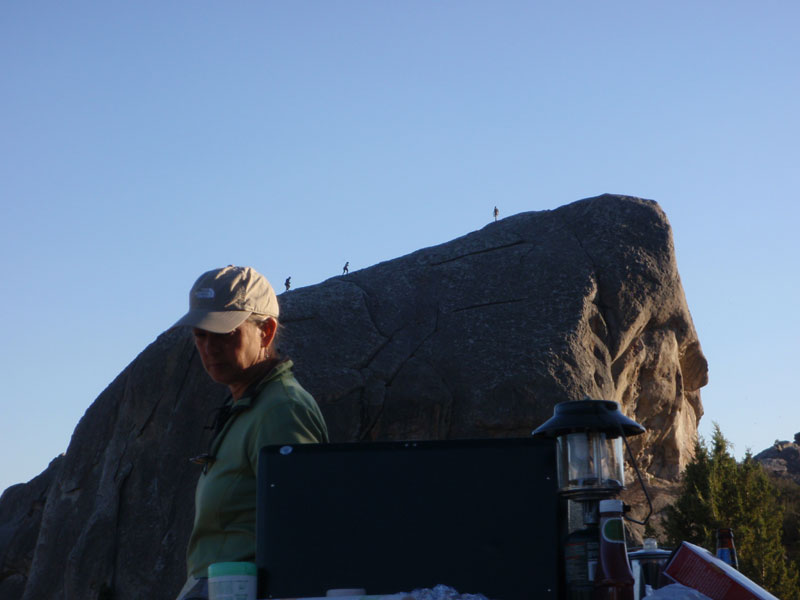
{"points": [[233, 313]]}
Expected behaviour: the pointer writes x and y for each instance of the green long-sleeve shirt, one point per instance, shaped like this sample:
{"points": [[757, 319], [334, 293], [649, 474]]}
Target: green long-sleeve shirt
{"points": [[277, 411]]}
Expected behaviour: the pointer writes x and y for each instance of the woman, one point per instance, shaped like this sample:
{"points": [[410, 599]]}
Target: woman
{"points": [[233, 313]]}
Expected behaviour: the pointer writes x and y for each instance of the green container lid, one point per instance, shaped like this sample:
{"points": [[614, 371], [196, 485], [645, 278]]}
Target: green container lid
{"points": [[223, 569]]}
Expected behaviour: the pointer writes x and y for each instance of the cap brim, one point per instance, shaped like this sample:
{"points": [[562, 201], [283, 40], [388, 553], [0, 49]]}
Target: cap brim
{"points": [[221, 321]]}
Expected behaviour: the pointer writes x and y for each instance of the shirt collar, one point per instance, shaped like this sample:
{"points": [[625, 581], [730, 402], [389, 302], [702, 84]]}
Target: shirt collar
{"points": [[247, 398]]}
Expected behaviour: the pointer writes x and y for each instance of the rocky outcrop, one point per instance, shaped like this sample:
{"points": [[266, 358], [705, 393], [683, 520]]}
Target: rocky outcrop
{"points": [[477, 337], [782, 459]]}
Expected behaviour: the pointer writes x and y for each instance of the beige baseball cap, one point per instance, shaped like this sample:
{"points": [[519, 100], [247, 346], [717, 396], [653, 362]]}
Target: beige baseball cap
{"points": [[222, 299]]}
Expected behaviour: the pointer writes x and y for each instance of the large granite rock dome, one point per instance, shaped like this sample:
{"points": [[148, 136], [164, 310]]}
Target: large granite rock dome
{"points": [[477, 337]]}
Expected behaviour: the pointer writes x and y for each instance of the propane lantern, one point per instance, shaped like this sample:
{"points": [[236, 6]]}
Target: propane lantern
{"points": [[589, 436]]}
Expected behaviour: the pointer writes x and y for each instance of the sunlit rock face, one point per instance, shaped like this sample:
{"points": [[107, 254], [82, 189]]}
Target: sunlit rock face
{"points": [[483, 335], [477, 337]]}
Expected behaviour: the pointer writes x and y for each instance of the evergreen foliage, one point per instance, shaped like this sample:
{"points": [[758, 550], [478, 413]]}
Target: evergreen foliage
{"points": [[716, 492], [790, 498]]}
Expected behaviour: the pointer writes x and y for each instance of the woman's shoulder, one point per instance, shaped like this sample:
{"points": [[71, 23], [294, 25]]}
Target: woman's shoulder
{"points": [[283, 389]]}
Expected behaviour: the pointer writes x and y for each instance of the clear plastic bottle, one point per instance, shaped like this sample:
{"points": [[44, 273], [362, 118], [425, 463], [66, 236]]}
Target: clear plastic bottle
{"points": [[647, 565], [613, 578], [726, 550]]}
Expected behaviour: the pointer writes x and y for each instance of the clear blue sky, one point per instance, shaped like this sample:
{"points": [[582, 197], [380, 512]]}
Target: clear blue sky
{"points": [[142, 143]]}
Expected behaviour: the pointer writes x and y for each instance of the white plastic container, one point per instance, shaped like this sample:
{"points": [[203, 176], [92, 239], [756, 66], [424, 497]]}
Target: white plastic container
{"points": [[232, 581]]}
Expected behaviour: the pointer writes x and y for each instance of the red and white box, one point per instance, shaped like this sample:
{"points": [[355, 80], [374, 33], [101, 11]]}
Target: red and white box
{"points": [[697, 568]]}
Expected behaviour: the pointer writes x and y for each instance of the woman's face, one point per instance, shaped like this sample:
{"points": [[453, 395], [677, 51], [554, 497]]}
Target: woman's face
{"points": [[232, 358]]}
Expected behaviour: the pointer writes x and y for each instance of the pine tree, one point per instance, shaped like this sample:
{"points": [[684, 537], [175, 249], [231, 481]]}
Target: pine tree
{"points": [[790, 499], [716, 492]]}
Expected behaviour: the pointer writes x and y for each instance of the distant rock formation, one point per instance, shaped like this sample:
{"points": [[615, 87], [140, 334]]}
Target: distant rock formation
{"points": [[477, 337], [782, 459]]}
